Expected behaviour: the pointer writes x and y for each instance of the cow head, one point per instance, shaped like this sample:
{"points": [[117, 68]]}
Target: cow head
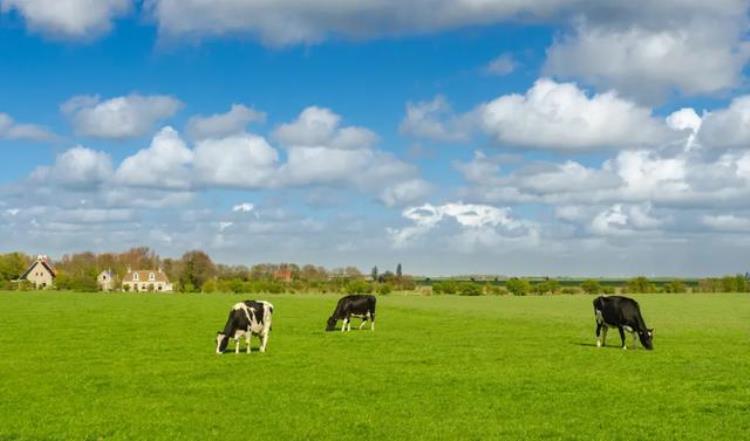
{"points": [[647, 338], [331, 325], [221, 342]]}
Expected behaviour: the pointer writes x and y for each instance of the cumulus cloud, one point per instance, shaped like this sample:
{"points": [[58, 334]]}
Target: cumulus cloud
{"points": [[436, 120], [319, 152], [502, 65], [317, 126], [223, 124], [70, 19], [292, 22], [246, 161], [10, 129], [78, 167], [728, 128], [699, 53], [244, 207], [561, 116], [477, 224], [619, 220], [405, 192], [118, 118], [164, 164], [727, 222]]}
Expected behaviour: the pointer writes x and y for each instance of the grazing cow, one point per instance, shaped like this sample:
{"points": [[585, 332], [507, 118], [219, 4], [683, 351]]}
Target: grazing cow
{"points": [[624, 314], [246, 319], [354, 305]]}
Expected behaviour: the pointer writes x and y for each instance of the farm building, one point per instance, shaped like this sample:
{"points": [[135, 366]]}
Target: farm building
{"points": [[106, 280], [148, 280], [40, 273]]}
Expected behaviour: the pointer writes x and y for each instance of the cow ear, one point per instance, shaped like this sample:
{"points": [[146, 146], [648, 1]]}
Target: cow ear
{"points": [[651, 331]]}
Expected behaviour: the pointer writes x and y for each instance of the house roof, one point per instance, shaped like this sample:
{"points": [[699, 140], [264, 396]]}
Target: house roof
{"points": [[143, 276], [42, 262]]}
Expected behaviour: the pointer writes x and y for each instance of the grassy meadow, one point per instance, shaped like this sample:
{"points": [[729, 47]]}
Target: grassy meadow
{"points": [[142, 367]]}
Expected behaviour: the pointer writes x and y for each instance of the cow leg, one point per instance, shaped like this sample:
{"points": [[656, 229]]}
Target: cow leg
{"points": [[362, 325], [263, 341], [372, 321], [348, 323], [598, 335], [237, 345], [622, 337], [249, 341], [605, 329], [343, 325]]}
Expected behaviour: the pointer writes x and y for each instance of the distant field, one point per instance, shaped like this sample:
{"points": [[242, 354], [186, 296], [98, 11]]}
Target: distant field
{"points": [[142, 367]]}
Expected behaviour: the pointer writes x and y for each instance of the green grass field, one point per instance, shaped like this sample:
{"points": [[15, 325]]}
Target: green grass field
{"points": [[142, 367]]}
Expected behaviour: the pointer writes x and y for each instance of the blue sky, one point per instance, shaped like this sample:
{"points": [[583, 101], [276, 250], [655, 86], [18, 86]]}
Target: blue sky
{"points": [[565, 137]]}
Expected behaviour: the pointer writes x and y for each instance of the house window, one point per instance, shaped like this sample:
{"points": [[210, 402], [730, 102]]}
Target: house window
{"points": [[151, 277], [135, 276]]}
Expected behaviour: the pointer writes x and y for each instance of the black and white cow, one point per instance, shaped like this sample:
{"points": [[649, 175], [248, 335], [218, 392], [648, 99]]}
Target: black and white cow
{"points": [[246, 319], [354, 305], [624, 314]]}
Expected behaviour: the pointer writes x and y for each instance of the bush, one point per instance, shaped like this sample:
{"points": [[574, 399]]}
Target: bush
{"points": [[384, 289], [358, 286], [447, 287], [518, 287], [591, 286], [674, 287], [496, 290], [639, 285], [571, 290], [471, 289]]}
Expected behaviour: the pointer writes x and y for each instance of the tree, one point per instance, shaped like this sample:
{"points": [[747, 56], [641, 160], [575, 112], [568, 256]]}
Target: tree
{"points": [[374, 274], [518, 287], [398, 271], [675, 286], [197, 268], [640, 285], [591, 286], [471, 289], [12, 265]]}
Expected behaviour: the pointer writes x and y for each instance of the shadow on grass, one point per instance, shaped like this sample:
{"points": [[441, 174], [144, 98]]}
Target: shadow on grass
{"points": [[593, 345]]}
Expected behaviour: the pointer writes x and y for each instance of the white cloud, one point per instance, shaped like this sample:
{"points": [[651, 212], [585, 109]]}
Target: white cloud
{"points": [[405, 192], [118, 118], [78, 167], [619, 220], [72, 19], [323, 154], [699, 54], [436, 120], [502, 65], [230, 123], [727, 222], [560, 116], [316, 127], [728, 128], [164, 164], [293, 21], [246, 161], [482, 225], [244, 207], [10, 129]]}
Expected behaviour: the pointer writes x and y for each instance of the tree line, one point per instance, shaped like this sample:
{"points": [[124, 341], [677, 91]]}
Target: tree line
{"points": [[195, 271]]}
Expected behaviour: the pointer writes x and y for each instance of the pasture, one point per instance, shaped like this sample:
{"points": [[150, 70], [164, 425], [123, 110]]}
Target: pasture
{"points": [[142, 367]]}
